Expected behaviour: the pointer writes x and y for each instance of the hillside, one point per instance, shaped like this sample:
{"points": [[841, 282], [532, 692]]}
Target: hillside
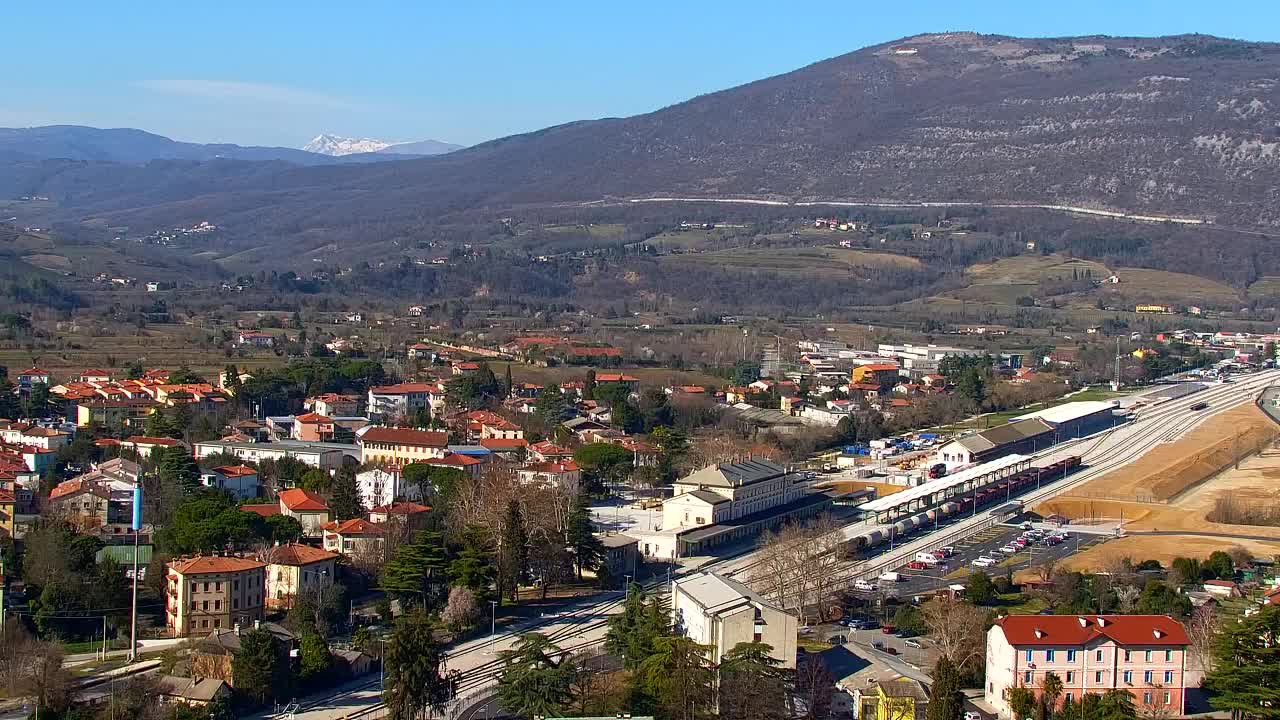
{"points": [[1177, 125]]}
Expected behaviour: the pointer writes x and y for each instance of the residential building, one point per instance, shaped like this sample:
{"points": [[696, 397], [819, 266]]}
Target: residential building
{"points": [[239, 480], [31, 377], [213, 656], [720, 612], [308, 508], [8, 509], [256, 339], [880, 374], [401, 446], [727, 491], [113, 413], [409, 514], [403, 400], [313, 427], [547, 450], [564, 473], [1143, 654], [354, 537], [621, 555], [193, 691], [382, 486], [334, 405], [295, 570], [902, 698], [209, 592], [326, 456]]}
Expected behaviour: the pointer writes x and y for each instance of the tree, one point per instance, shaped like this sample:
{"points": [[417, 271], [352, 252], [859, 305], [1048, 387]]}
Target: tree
{"points": [[160, 424], [1202, 631], [535, 679], [907, 619], [958, 630], [606, 463], [752, 684], [345, 502], [316, 480], [588, 551], [1022, 702], [1247, 665], [633, 633], [1183, 571], [1219, 565], [1114, 704], [1050, 691], [1160, 599], [980, 589], [946, 701], [315, 657], [178, 469], [551, 405], [260, 667], [461, 610], [513, 552], [679, 679], [441, 483], [417, 568], [282, 529], [473, 567], [413, 686]]}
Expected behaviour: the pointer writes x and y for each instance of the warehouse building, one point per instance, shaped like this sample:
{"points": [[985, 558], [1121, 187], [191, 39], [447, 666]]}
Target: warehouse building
{"points": [[1025, 437], [1075, 419]]}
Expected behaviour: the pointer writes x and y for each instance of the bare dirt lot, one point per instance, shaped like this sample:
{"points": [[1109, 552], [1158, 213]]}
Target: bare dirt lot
{"points": [[1162, 548]]}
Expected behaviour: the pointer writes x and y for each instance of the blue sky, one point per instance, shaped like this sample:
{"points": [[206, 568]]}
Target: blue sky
{"points": [[278, 73]]}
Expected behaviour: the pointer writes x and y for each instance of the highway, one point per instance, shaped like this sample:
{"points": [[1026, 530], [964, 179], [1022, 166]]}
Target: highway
{"points": [[586, 626]]}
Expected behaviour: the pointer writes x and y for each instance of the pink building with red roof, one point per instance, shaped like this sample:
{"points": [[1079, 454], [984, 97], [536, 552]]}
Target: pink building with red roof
{"points": [[1143, 654]]}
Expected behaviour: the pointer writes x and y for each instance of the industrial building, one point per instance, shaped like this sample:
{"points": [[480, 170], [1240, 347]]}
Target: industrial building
{"points": [[1024, 437], [1075, 419]]}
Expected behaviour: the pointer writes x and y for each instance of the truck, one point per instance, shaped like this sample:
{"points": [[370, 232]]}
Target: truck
{"points": [[937, 470], [890, 576]]}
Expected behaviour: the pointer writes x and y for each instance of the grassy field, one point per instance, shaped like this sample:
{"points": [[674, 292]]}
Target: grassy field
{"points": [[694, 238], [605, 231], [800, 261], [1265, 287], [1175, 288]]}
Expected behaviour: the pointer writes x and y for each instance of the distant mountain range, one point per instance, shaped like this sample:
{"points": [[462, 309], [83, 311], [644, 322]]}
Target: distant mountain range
{"points": [[131, 146], [1183, 125], [339, 146]]}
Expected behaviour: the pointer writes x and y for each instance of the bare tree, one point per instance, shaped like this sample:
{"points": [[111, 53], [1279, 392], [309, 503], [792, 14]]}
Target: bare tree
{"points": [[462, 610], [1127, 599], [1202, 631], [797, 564], [957, 628], [1045, 568]]}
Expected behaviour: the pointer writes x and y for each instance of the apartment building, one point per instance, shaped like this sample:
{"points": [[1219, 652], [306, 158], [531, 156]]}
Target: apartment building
{"points": [[714, 610], [1143, 654], [404, 399], [211, 592], [401, 446], [728, 491], [296, 570]]}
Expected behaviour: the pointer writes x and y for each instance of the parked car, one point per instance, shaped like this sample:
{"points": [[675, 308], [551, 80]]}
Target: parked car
{"points": [[891, 651], [888, 629], [864, 585], [917, 565], [972, 715], [937, 471], [890, 576], [913, 643], [949, 550]]}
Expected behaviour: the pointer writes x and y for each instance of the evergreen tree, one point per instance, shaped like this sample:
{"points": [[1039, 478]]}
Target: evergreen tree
{"points": [[509, 384], [231, 379], [417, 569], [534, 681], [551, 405], [345, 502], [413, 685], [314, 655], [177, 469], [589, 387], [260, 667], [752, 684], [588, 551], [160, 424], [678, 678], [633, 632], [1022, 702], [513, 555], [473, 567], [1246, 677], [946, 701]]}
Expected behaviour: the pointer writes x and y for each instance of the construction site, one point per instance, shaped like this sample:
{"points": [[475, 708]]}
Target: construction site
{"points": [[1213, 487]]}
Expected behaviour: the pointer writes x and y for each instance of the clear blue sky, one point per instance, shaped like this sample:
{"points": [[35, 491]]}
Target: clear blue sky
{"points": [[278, 73]]}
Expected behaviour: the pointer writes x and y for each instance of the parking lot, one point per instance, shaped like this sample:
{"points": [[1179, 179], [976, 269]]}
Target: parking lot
{"points": [[984, 543]]}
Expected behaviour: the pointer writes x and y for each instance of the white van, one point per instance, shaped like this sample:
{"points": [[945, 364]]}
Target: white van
{"points": [[890, 577], [926, 558]]}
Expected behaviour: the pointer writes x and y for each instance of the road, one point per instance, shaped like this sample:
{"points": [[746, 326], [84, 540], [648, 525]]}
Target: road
{"points": [[585, 624]]}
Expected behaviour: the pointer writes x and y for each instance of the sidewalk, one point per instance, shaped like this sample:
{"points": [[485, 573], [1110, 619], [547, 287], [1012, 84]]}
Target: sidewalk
{"points": [[144, 646]]}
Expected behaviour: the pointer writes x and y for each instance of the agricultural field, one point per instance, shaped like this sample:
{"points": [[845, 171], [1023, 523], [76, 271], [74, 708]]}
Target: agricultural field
{"points": [[800, 261], [1035, 269]]}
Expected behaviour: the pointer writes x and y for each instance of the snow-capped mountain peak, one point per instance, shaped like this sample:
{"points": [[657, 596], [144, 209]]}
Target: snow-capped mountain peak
{"points": [[337, 146]]}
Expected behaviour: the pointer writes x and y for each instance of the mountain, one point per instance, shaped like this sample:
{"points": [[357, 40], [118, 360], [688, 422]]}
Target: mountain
{"points": [[338, 146], [1181, 125], [422, 147], [129, 146]]}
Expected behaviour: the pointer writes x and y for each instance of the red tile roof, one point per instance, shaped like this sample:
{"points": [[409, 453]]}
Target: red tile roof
{"points": [[235, 470], [546, 447], [454, 460], [1078, 630], [357, 526], [298, 499], [263, 509], [552, 467], [313, 418], [615, 377], [401, 508], [402, 388], [503, 443], [214, 564], [404, 436], [297, 554], [144, 440]]}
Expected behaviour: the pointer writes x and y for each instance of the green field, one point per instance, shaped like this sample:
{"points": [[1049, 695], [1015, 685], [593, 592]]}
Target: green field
{"points": [[823, 260]]}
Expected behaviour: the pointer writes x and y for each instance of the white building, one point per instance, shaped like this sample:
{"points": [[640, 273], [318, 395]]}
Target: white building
{"points": [[380, 487], [727, 491], [404, 399], [716, 611], [919, 360]]}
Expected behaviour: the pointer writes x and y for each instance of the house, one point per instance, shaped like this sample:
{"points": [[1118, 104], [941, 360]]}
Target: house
{"points": [[94, 375], [313, 427], [295, 570], [142, 444], [400, 446], [353, 663], [1143, 654], [194, 691], [880, 374], [113, 413], [213, 656], [565, 473], [384, 485], [621, 555], [631, 383], [308, 508], [458, 461], [547, 450], [239, 480], [256, 339], [420, 351], [34, 436], [410, 514], [727, 491], [29, 378], [405, 399], [512, 449], [334, 405], [354, 537], [210, 592], [325, 456], [1222, 588], [8, 511], [720, 612], [902, 698], [416, 310]]}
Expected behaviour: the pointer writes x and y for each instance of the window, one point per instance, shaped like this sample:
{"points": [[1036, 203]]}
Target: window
{"points": [[1071, 677], [217, 623], [217, 586], [1128, 677], [204, 623], [1128, 656], [1168, 656], [235, 585], [217, 605], [1146, 698], [1098, 656], [1070, 696], [1048, 655], [1148, 656], [204, 605], [1168, 677], [1167, 698], [1028, 656], [206, 587], [1026, 677], [1146, 677], [1097, 677], [235, 604], [1071, 656]]}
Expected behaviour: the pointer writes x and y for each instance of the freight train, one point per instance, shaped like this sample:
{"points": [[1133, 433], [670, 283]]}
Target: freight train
{"points": [[986, 495]]}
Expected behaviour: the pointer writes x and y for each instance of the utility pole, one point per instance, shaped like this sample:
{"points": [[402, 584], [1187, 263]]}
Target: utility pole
{"points": [[1115, 382], [137, 529]]}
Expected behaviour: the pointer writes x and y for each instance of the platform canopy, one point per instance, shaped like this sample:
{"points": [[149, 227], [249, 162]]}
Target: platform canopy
{"points": [[946, 482]]}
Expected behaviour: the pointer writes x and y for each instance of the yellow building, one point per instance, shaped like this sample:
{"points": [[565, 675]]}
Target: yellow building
{"points": [[212, 592], [901, 699], [297, 570], [1158, 309], [399, 446], [113, 413], [7, 507]]}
